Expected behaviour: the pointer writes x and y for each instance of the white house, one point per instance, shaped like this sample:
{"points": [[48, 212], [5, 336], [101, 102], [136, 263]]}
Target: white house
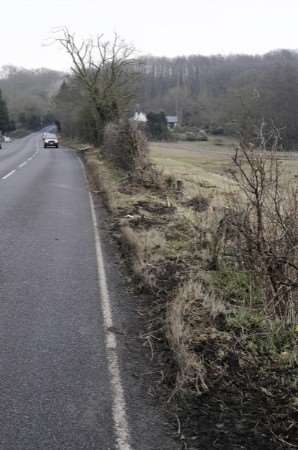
{"points": [[172, 121], [139, 117]]}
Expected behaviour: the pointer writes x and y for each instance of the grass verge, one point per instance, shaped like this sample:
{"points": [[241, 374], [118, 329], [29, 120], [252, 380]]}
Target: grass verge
{"points": [[230, 371]]}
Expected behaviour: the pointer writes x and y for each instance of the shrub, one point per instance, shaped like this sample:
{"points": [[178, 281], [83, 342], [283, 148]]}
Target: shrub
{"points": [[157, 126], [264, 222], [190, 136], [125, 146], [200, 135], [219, 131]]}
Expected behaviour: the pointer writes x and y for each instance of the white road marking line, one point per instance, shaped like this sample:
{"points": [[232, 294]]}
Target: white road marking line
{"points": [[23, 163], [118, 400], [9, 174]]}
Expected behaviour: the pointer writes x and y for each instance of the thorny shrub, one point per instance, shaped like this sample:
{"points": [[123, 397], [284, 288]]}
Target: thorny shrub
{"points": [[264, 225]]}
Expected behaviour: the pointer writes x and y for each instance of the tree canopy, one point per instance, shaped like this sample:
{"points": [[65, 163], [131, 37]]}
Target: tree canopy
{"points": [[5, 124], [219, 91]]}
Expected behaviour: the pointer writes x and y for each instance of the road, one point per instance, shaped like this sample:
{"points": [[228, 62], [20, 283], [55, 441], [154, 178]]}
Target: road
{"points": [[68, 379]]}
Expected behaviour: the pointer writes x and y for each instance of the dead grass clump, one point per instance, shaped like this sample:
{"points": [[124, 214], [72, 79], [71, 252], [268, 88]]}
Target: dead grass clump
{"points": [[145, 212], [100, 179], [132, 245], [193, 337], [149, 177], [236, 372], [182, 232], [147, 251], [155, 207], [93, 165], [165, 275], [198, 203], [218, 142]]}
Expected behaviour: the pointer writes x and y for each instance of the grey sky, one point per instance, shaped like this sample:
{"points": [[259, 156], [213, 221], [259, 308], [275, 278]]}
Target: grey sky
{"points": [[158, 27]]}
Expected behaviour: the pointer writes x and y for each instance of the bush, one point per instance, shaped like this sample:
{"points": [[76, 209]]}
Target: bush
{"points": [[190, 136], [219, 131], [218, 142], [125, 146], [265, 226], [157, 126], [202, 136], [196, 136]]}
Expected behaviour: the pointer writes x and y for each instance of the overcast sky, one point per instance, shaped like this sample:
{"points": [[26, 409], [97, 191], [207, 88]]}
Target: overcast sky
{"points": [[157, 27]]}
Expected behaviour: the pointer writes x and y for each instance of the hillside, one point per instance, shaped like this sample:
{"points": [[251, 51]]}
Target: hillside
{"points": [[29, 92], [219, 91]]}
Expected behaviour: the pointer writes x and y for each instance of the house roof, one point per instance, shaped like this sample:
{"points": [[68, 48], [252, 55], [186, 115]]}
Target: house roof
{"points": [[171, 119]]}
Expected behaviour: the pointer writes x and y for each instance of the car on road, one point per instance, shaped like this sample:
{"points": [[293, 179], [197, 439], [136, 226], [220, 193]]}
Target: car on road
{"points": [[47, 134], [50, 140]]}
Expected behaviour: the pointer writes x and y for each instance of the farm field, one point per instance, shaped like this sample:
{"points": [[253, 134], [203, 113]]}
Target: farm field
{"points": [[201, 165], [206, 166]]}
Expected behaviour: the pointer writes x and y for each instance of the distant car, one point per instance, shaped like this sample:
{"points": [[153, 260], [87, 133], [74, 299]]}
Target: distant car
{"points": [[50, 140], [46, 134]]}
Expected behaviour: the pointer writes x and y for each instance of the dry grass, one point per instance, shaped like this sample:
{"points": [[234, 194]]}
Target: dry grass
{"points": [[104, 179], [201, 165], [236, 381], [220, 351], [205, 167], [187, 320]]}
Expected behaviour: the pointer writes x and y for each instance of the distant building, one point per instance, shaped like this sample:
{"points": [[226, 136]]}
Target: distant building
{"points": [[139, 117], [172, 121]]}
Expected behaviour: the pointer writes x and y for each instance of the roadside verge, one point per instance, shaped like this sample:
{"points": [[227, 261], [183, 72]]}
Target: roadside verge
{"points": [[211, 349]]}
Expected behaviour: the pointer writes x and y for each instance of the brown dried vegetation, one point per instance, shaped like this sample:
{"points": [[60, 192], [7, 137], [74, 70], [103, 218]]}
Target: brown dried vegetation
{"points": [[223, 283]]}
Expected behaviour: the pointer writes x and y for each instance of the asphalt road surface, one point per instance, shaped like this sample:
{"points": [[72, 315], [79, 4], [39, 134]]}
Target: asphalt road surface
{"points": [[70, 379]]}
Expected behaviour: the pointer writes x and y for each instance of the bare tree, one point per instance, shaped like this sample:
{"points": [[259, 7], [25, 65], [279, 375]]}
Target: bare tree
{"points": [[107, 70], [266, 225]]}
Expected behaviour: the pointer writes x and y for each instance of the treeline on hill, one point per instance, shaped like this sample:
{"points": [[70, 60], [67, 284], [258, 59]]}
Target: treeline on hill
{"points": [[223, 92], [6, 124], [208, 93], [28, 94]]}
